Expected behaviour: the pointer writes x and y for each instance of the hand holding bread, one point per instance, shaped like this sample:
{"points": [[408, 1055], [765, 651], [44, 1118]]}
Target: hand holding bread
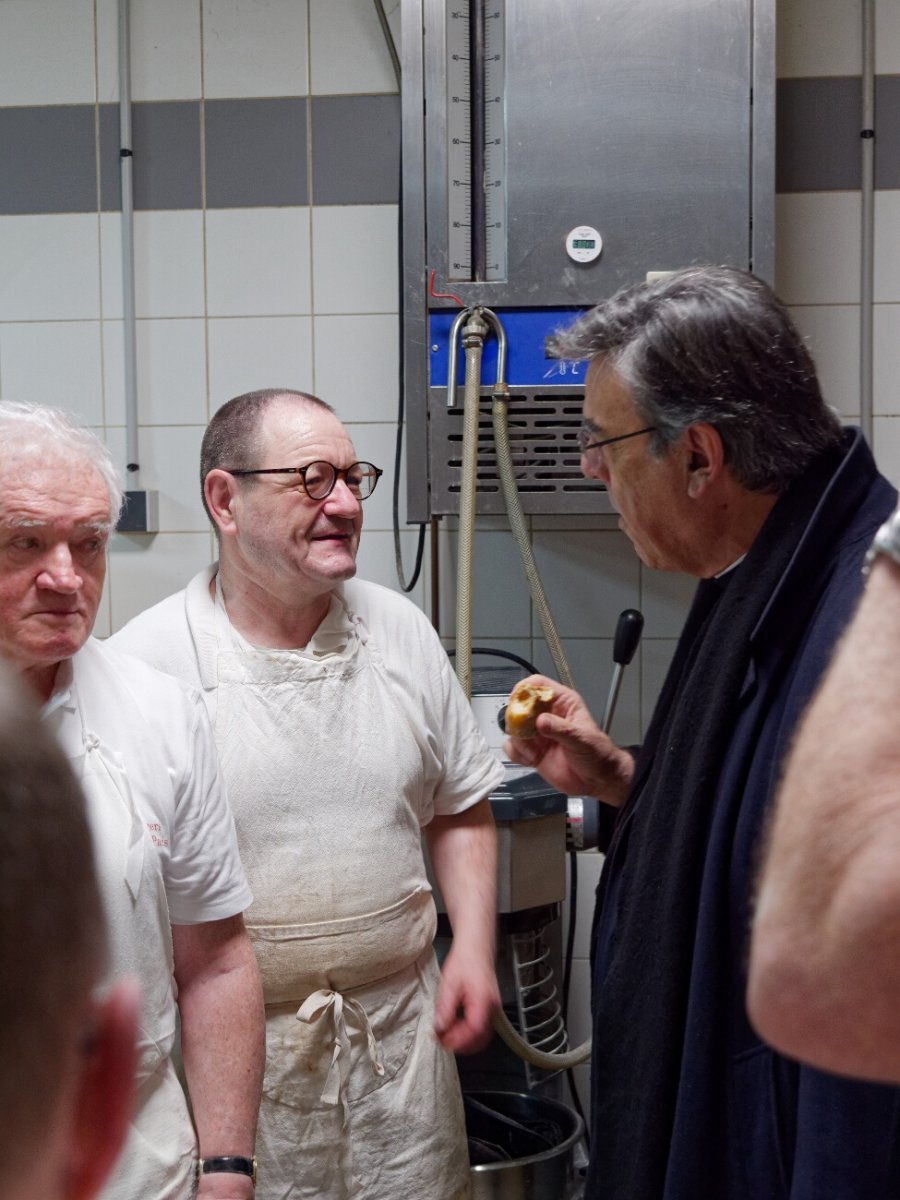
{"points": [[570, 750]]}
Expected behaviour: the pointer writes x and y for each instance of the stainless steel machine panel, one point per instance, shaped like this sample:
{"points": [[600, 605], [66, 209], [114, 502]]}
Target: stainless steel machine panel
{"points": [[632, 116], [650, 121]]}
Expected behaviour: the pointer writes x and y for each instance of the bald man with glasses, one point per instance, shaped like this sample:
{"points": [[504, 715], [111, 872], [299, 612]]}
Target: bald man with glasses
{"points": [[342, 734]]}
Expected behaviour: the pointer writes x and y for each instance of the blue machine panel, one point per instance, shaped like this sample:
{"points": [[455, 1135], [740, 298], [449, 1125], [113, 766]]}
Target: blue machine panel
{"points": [[527, 364]]}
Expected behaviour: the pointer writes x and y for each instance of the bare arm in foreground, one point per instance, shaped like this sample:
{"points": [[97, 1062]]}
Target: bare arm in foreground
{"points": [[825, 962]]}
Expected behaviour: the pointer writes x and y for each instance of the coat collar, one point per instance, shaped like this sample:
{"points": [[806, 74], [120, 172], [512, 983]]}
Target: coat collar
{"points": [[830, 525]]}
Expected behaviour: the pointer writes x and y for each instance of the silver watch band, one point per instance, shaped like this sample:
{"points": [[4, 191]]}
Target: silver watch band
{"points": [[886, 541]]}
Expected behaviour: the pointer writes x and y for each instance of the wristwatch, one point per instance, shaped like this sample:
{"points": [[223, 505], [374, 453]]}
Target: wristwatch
{"points": [[232, 1164], [886, 541]]}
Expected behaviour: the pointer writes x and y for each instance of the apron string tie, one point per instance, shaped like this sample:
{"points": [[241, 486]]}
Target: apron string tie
{"points": [[346, 1014]]}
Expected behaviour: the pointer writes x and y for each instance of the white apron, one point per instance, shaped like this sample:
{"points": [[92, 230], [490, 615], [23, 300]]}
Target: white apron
{"points": [[359, 1101], [158, 1162]]}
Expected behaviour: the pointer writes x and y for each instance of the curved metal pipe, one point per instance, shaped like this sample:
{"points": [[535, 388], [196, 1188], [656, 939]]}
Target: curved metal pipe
{"points": [[128, 305], [474, 334], [478, 320], [452, 350], [867, 223]]}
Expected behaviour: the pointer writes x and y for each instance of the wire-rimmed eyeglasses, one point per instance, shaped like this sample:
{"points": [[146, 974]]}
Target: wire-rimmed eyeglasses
{"points": [[585, 444], [320, 477]]}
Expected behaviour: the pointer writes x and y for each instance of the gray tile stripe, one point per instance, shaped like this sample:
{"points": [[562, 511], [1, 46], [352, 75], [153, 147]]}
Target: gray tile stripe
{"points": [[48, 159], [256, 149], [818, 134], [165, 140], [256, 154], [355, 149]]}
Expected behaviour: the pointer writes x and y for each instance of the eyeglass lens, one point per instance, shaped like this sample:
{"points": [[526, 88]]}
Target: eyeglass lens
{"points": [[320, 478]]}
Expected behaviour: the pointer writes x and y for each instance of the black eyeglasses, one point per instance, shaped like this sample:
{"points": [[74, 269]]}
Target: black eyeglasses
{"points": [[320, 477], [584, 435]]}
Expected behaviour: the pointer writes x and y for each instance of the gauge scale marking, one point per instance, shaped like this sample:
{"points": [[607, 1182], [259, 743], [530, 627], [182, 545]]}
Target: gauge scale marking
{"points": [[460, 117]]}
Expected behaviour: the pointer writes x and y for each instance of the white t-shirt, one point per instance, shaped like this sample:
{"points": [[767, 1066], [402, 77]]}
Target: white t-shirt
{"points": [[179, 636], [162, 734]]}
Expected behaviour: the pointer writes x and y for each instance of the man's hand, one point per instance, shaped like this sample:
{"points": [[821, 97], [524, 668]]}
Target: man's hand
{"points": [[571, 751], [468, 998]]}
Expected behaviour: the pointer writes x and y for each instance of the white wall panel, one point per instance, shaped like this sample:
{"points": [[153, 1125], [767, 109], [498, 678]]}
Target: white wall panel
{"points": [[357, 365], [257, 261], [248, 353], [355, 258], [818, 247], [54, 362], [832, 334], [165, 50], [255, 48], [818, 37], [347, 49], [50, 269], [46, 54]]}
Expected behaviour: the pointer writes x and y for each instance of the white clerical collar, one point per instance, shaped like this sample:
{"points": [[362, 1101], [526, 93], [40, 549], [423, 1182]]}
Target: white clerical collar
{"points": [[737, 562]]}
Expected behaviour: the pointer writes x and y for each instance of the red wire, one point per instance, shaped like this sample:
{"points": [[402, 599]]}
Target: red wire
{"points": [[441, 295]]}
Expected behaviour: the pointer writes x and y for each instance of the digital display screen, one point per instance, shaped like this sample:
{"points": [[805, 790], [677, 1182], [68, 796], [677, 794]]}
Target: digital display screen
{"points": [[583, 243]]}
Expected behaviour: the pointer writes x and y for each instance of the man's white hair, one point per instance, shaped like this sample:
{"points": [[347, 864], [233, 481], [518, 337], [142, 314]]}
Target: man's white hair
{"points": [[36, 430]]}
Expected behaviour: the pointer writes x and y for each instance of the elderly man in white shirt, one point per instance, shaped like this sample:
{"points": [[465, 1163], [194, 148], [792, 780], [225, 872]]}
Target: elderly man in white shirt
{"points": [[171, 879]]}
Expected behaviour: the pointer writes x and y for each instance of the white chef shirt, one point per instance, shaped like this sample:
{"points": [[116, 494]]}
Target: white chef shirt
{"points": [[161, 731]]}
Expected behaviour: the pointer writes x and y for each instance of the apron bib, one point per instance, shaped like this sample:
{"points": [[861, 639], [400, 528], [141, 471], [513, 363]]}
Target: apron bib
{"points": [[158, 1160], [327, 819]]}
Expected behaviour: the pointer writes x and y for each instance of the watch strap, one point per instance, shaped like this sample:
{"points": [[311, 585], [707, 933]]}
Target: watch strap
{"points": [[232, 1164]]}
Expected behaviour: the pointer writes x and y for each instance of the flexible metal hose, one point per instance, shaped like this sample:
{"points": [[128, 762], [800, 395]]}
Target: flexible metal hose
{"points": [[473, 334], [539, 1058], [499, 415]]}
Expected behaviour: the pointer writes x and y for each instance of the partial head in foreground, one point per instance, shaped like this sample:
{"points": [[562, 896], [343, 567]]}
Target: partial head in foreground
{"points": [[67, 1052]]}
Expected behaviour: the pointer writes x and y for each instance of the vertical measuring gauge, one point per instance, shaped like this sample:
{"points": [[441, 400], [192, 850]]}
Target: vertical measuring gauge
{"points": [[476, 139]]}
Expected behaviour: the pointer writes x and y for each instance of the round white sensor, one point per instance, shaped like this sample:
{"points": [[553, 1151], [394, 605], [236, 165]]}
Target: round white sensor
{"points": [[583, 244]]}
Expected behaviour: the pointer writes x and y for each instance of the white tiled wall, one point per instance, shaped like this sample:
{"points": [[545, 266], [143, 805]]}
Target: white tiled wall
{"points": [[233, 299]]}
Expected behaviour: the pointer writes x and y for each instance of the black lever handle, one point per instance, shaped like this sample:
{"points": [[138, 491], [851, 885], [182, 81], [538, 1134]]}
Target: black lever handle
{"points": [[629, 628]]}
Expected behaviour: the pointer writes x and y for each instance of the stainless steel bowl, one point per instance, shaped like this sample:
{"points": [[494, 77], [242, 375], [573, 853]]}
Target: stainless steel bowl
{"points": [[546, 1175]]}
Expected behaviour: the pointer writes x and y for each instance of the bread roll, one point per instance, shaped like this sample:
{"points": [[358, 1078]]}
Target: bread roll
{"points": [[525, 703]]}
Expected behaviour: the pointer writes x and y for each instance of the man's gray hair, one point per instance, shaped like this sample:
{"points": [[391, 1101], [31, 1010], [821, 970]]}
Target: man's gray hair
{"points": [[713, 345], [36, 431]]}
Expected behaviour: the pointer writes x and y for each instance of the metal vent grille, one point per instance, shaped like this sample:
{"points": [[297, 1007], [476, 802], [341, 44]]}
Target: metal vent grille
{"points": [[543, 436]]}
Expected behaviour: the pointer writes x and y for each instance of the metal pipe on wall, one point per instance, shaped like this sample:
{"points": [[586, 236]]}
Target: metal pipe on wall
{"points": [[867, 222], [132, 466]]}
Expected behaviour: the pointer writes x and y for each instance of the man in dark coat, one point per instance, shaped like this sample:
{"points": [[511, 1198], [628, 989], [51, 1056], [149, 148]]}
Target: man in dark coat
{"points": [[704, 418]]}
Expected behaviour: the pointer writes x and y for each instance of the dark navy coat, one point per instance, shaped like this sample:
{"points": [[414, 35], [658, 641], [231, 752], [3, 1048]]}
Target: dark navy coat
{"points": [[750, 1124]]}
